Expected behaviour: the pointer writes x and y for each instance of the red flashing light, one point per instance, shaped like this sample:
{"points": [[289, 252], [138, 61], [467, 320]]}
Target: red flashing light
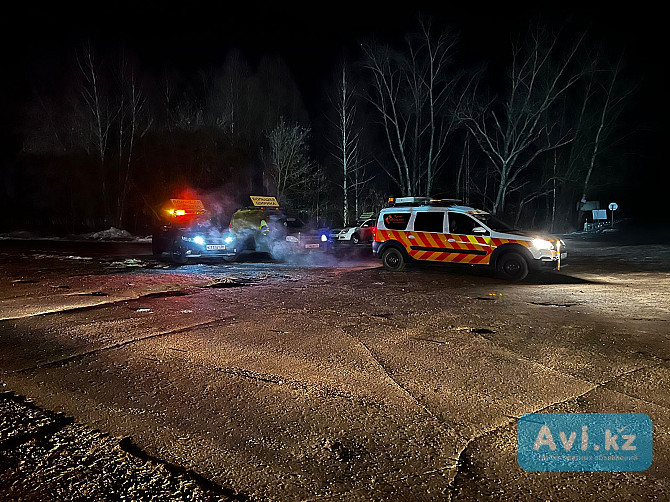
{"points": [[185, 207]]}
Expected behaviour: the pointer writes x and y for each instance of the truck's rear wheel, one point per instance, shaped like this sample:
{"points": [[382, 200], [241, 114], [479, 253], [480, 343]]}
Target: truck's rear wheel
{"points": [[512, 267], [393, 260]]}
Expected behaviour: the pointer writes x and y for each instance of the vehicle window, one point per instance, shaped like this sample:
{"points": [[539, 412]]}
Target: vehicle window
{"points": [[293, 223], [461, 224], [429, 222], [396, 221], [494, 223], [367, 223]]}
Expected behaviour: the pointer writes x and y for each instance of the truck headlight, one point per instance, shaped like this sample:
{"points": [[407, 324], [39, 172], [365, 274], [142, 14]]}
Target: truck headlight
{"points": [[197, 239], [291, 238], [228, 240], [324, 238], [542, 244]]}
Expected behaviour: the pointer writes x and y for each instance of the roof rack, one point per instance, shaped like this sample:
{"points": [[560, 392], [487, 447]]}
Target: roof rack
{"points": [[422, 201], [445, 202]]}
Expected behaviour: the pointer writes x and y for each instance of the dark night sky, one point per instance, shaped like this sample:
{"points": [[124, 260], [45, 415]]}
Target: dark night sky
{"points": [[195, 34], [311, 39]]}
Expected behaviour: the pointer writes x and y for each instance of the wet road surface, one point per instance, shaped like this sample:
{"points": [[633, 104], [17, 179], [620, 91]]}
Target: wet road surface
{"points": [[324, 379]]}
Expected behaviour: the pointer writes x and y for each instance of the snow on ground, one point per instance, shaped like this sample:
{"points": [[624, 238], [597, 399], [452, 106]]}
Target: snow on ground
{"points": [[111, 234]]}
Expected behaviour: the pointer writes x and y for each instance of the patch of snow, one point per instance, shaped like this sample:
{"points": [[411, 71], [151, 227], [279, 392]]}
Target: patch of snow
{"points": [[112, 233], [19, 235], [27, 236]]}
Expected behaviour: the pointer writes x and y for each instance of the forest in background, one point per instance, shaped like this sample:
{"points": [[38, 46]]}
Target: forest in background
{"points": [[104, 141]]}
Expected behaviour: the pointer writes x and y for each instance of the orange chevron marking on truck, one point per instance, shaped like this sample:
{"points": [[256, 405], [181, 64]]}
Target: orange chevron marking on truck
{"points": [[438, 241]]}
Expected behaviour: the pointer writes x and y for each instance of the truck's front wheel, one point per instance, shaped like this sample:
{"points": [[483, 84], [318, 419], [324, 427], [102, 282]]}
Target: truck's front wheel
{"points": [[512, 267], [156, 248], [178, 253]]}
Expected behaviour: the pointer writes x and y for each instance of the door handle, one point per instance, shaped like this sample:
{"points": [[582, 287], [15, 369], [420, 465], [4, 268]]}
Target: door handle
{"points": [[410, 237], [451, 240]]}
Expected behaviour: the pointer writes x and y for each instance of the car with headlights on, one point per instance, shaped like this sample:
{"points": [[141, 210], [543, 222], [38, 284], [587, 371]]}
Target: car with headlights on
{"points": [[423, 229], [188, 231]]}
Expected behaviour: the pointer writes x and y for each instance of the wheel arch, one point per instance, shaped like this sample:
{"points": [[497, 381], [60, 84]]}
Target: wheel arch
{"points": [[511, 247], [393, 243]]}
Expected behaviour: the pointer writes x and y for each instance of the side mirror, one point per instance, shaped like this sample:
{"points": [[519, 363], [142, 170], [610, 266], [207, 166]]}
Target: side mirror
{"points": [[480, 230]]}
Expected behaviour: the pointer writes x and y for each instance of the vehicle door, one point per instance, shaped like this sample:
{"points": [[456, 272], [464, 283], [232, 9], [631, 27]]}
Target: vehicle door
{"points": [[392, 226], [468, 240], [365, 230], [427, 239]]}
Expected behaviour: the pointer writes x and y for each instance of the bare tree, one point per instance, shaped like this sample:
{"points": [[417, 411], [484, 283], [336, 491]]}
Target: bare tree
{"points": [[512, 135], [463, 187], [133, 123], [96, 99], [546, 186], [611, 106], [290, 166], [411, 91], [436, 86], [347, 146], [100, 115]]}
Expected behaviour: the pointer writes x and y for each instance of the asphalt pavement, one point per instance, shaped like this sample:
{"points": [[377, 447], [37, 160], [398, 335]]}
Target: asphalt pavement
{"points": [[126, 377]]}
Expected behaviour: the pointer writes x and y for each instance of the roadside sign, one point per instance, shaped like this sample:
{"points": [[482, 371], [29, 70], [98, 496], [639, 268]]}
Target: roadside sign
{"points": [[262, 201], [613, 207], [599, 214]]}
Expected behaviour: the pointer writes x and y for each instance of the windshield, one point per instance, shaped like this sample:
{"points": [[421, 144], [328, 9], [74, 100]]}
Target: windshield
{"points": [[293, 223], [493, 223], [203, 222]]}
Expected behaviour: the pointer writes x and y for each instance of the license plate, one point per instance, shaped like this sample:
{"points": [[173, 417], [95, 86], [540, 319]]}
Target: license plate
{"points": [[564, 256], [311, 246], [215, 247]]}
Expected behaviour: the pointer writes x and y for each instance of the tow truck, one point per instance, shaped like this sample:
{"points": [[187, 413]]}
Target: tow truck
{"points": [[187, 230], [424, 229], [264, 228]]}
